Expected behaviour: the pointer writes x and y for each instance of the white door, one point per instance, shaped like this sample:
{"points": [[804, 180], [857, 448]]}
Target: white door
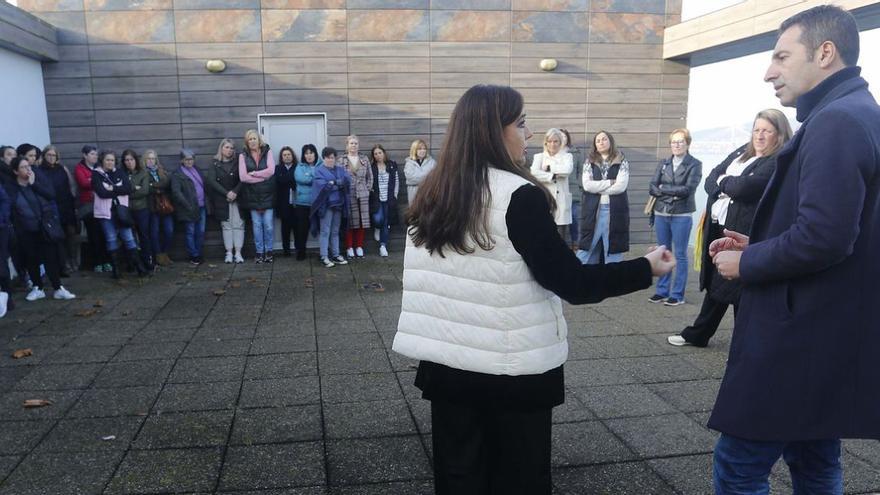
{"points": [[294, 130]]}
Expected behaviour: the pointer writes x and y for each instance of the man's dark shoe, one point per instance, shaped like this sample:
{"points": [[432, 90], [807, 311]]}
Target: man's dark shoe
{"points": [[672, 301]]}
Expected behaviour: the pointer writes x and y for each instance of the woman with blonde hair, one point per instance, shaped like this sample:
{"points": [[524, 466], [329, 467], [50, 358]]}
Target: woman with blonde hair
{"points": [[734, 188], [418, 165], [161, 219], [256, 169], [552, 168], [223, 187], [358, 167]]}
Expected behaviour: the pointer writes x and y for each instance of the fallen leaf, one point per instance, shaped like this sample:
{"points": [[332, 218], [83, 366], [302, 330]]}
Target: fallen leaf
{"points": [[86, 313], [310, 283], [374, 286], [29, 403], [212, 266], [22, 353], [235, 285], [251, 280], [219, 292], [99, 303]]}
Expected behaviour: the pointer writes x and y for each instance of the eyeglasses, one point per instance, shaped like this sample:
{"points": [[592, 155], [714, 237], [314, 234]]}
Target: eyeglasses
{"points": [[677, 143], [761, 132]]}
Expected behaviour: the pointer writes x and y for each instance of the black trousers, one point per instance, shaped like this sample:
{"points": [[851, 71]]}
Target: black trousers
{"points": [[480, 451], [5, 234], [37, 250], [285, 213], [97, 252], [301, 227], [706, 324]]}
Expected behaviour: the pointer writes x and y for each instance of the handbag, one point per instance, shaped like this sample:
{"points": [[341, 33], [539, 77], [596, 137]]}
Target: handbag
{"points": [[161, 204], [50, 224], [649, 206], [121, 214]]}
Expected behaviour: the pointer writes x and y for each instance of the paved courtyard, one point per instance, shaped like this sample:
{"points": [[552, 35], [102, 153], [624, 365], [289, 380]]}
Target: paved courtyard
{"points": [[279, 379]]}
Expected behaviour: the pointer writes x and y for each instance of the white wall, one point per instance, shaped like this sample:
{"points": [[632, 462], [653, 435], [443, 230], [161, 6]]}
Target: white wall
{"points": [[24, 101]]}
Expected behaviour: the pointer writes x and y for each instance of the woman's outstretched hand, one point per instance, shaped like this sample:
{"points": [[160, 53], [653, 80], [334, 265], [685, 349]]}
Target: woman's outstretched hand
{"points": [[732, 241], [661, 259]]}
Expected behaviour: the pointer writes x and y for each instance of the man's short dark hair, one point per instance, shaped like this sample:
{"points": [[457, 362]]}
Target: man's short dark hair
{"points": [[328, 151], [827, 23]]}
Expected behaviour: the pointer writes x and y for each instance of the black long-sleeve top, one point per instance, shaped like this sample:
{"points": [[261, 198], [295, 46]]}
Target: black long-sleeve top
{"points": [[532, 230]]}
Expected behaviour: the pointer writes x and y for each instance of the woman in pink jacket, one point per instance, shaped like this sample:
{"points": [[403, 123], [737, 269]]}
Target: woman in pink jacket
{"points": [[256, 169]]}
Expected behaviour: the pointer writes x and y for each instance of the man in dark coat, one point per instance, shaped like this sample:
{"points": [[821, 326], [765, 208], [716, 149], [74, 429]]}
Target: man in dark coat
{"points": [[802, 371]]}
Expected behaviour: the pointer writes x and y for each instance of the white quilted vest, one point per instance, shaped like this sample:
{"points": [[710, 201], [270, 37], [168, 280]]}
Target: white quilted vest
{"points": [[484, 311]]}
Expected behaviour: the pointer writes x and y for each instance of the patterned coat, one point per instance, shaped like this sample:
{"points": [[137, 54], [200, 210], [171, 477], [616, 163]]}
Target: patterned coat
{"points": [[361, 183]]}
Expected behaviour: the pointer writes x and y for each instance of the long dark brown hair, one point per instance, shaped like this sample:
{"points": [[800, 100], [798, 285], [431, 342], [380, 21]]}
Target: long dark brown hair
{"points": [[449, 211], [613, 153]]}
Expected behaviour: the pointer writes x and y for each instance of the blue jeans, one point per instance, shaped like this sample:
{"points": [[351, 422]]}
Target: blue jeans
{"points": [[575, 218], [380, 221], [602, 232], [111, 230], [142, 222], [264, 230], [329, 238], [742, 467], [195, 235], [674, 232], [161, 240]]}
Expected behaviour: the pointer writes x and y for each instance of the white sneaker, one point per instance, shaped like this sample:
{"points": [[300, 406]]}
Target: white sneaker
{"points": [[228, 258], [677, 340], [359, 252], [349, 252], [35, 294], [239, 258], [328, 263], [63, 294], [4, 301], [339, 260], [29, 284], [377, 234], [382, 251]]}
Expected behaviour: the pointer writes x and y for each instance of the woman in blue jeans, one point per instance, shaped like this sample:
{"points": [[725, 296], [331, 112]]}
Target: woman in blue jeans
{"points": [[188, 194], [383, 194], [161, 224], [674, 184], [604, 223], [256, 170], [330, 196]]}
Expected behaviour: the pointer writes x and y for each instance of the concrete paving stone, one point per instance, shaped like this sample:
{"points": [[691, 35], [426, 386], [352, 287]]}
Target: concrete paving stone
{"points": [[407, 381], [209, 348], [280, 392], [867, 450], [347, 361], [360, 388], [692, 396], [80, 355], [303, 343], [209, 369], [91, 339], [134, 373], [11, 408], [7, 464], [386, 313], [130, 401], [600, 328], [163, 471], [109, 328], [290, 365], [327, 325], [712, 363], [613, 347], [211, 332], [10, 376], [20, 437], [303, 490], [373, 460], [580, 314], [273, 466], [661, 369], [189, 429], [176, 309], [572, 410], [150, 334], [150, 351], [59, 377], [286, 329], [859, 476], [197, 396], [622, 401], [423, 487], [175, 323], [421, 411], [82, 435], [339, 341], [130, 311], [590, 442], [689, 475], [33, 341], [277, 425], [45, 473], [386, 324], [629, 478], [368, 419], [399, 362], [232, 319], [595, 372], [656, 436]]}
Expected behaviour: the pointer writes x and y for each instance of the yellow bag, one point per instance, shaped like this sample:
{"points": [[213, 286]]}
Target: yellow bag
{"points": [[698, 244]]}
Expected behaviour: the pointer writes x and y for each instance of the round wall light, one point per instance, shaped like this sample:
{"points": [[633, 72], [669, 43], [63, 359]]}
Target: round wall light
{"points": [[548, 64], [215, 65]]}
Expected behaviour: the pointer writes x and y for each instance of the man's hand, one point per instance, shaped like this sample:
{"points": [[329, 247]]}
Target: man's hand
{"points": [[727, 263], [662, 261], [732, 241]]}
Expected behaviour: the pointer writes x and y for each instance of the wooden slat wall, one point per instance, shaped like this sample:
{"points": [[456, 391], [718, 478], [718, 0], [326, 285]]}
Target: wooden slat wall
{"points": [[131, 73]]}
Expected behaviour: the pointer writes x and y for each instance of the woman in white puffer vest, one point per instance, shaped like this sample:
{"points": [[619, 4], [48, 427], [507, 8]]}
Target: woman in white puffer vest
{"points": [[484, 270]]}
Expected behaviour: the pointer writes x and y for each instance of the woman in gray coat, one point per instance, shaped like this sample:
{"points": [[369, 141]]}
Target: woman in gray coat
{"points": [[188, 195]]}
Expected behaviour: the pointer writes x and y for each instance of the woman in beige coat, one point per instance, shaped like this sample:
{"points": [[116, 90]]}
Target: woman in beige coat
{"points": [[358, 167], [552, 168]]}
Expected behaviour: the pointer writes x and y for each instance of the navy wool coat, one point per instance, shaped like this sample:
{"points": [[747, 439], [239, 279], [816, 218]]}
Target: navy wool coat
{"points": [[804, 353]]}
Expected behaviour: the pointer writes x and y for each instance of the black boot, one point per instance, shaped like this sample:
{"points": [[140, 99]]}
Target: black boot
{"points": [[114, 262], [134, 259]]}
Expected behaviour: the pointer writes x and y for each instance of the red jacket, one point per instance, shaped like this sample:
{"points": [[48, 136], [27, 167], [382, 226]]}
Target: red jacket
{"points": [[83, 176]]}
